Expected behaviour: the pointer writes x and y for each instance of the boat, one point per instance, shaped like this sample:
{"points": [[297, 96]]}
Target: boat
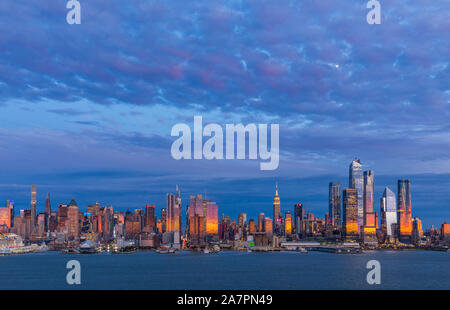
{"points": [[87, 247], [302, 250], [42, 248]]}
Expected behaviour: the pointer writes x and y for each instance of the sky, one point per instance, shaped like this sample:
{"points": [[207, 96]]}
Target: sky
{"points": [[87, 110]]}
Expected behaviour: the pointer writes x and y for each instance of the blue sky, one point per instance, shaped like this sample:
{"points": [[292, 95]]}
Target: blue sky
{"points": [[86, 110]]}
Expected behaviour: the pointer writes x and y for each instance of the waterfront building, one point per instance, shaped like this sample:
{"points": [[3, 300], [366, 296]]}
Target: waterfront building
{"points": [[350, 213], [334, 203], [212, 220], [356, 181], [261, 218], [417, 232], [445, 233], [370, 218], [404, 216], [150, 218], [196, 221], [72, 220], [251, 226], [48, 211], [5, 217], [277, 218], [174, 212], [299, 216], [388, 212], [33, 205], [288, 223], [268, 226], [10, 205]]}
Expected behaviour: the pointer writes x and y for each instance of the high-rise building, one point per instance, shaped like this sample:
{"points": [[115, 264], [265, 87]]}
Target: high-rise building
{"points": [[10, 205], [261, 218], [288, 223], [350, 213], [5, 217], [356, 181], [404, 218], [33, 205], [268, 226], [299, 216], [73, 218], [388, 211], [277, 218], [196, 220], [212, 219], [149, 217], [48, 211], [174, 212], [417, 232], [370, 225], [334, 203], [251, 226]]}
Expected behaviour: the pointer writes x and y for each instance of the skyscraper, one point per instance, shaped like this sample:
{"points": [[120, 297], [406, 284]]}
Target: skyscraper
{"points": [[261, 218], [350, 213], [288, 223], [356, 181], [48, 211], [33, 206], [299, 216], [277, 211], [72, 218], [404, 210], [150, 218], [334, 203], [388, 206], [370, 225], [196, 220], [212, 219], [174, 212]]}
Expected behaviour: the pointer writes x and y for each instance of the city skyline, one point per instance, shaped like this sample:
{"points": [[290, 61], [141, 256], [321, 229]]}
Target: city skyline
{"points": [[281, 207]]}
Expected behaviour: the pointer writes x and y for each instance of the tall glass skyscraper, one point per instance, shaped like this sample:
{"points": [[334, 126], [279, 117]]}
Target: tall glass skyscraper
{"points": [[404, 210], [334, 203], [350, 213], [356, 181], [388, 206], [277, 219], [33, 205]]}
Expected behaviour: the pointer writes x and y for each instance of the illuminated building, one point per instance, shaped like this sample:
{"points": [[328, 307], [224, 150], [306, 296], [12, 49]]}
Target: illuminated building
{"points": [[299, 216], [276, 211], [149, 218], [445, 233], [350, 213], [173, 221], [261, 218], [370, 225], [356, 181], [10, 205], [404, 210], [334, 203], [268, 226], [163, 220], [251, 226], [212, 219], [196, 220], [132, 224], [5, 216], [33, 205], [48, 211], [242, 220], [388, 211], [288, 223], [72, 218], [417, 232]]}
